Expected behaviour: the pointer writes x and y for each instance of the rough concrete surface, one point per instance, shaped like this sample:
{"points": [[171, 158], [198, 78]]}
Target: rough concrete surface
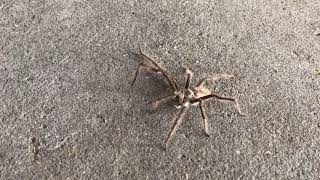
{"points": [[68, 111]]}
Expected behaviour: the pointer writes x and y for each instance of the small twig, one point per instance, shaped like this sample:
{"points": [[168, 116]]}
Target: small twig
{"points": [[35, 148]]}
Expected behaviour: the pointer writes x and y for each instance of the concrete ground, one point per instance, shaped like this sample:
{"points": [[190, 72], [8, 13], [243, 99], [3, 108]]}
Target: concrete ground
{"points": [[68, 111]]}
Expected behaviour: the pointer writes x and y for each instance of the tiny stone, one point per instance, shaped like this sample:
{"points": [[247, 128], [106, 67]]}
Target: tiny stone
{"points": [[268, 153]]}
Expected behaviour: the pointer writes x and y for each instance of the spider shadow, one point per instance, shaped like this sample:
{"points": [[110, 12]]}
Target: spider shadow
{"points": [[149, 85]]}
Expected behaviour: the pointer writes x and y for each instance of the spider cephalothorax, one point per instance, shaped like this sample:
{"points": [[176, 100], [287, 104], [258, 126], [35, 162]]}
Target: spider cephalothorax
{"points": [[185, 95]]}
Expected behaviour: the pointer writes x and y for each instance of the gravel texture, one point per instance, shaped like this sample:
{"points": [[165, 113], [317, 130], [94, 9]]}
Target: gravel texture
{"points": [[68, 111]]}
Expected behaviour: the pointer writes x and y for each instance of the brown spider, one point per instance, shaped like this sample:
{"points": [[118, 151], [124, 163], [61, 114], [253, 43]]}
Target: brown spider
{"points": [[185, 95]]}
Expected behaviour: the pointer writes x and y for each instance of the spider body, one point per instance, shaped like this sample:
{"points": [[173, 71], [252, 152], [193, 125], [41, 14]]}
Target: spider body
{"points": [[184, 95]]}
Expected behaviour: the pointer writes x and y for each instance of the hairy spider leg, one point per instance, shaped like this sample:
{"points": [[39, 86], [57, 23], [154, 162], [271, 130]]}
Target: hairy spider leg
{"points": [[163, 99], [142, 65], [176, 124], [203, 98], [204, 118]]}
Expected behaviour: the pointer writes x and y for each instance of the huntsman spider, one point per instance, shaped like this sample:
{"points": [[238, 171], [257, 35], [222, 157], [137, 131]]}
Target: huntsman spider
{"points": [[185, 95]]}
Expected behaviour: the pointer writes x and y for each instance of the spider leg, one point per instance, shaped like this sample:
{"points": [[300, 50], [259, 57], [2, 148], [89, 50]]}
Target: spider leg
{"points": [[176, 124], [236, 103], [163, 99], [142, 65], [204, 118], [213, 78], [235, 100]]}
